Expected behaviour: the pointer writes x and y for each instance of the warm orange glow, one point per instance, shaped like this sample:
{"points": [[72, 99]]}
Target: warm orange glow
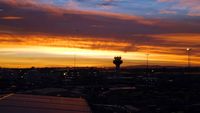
{"points": [[62, 41], [11, 18], [60, 51]]}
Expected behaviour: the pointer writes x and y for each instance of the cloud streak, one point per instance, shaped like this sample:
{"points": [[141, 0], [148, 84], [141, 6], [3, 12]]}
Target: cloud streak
{"points": [[11, 18], [191, 6]]}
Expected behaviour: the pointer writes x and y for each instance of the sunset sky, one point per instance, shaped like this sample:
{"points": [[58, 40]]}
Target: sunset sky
{"points": [[57, 33]]}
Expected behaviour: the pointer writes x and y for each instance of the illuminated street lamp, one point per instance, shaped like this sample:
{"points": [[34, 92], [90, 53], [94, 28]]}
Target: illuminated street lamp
{"points": [[188, 54]]}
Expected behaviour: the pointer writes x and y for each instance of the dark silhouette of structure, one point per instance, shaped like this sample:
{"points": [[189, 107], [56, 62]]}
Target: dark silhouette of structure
{"points": [[117, 61]]}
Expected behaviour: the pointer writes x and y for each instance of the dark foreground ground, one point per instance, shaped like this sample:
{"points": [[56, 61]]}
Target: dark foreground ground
{"points": [[156, 90]]}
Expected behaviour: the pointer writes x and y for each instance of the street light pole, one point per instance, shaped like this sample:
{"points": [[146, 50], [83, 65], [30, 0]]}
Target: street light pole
{"points": [[147, 63], [188, 54], [74, 61]]}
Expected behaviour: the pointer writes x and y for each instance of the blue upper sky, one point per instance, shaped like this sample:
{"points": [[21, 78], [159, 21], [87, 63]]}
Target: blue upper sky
{"points": [[147, 8]]}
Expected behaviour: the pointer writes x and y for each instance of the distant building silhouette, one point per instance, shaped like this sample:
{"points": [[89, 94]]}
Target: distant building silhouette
{"points": [[117, 61]]}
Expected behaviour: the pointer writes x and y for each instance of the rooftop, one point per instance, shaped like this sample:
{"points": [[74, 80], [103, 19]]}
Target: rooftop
{"points": [[20, 103]]}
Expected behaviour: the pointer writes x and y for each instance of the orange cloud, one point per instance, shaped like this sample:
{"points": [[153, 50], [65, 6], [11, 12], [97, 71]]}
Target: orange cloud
{"points": [[167, 12], [63, 41], [11, 18], [159, 43]]}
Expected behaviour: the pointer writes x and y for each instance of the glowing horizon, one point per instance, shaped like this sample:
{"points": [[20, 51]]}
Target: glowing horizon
{"points": [[43, 56]]}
